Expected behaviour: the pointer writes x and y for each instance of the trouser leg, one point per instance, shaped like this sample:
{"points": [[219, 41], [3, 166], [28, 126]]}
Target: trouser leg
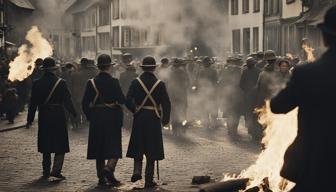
{"points": [[137, 170], [46, 163], [111, 164], [149, 172], [233, 122], [58, 163], [100, 164]]}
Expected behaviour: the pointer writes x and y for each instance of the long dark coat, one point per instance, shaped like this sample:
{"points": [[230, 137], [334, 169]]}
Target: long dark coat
{"points": [[105, 122], [146, 137], [178, 87], [310, 160], [248, 82], [126, 79], [52, 127]]}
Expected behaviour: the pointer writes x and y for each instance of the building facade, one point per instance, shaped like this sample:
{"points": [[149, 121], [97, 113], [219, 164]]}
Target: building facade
{"points": [[246, 25], [106, 26]]}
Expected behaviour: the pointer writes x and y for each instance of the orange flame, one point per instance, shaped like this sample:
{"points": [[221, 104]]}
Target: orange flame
{"points": [[279, 133], [24, 64], [309, 51]]}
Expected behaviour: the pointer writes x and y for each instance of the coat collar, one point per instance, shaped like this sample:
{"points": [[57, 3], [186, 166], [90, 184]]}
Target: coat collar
{"points": [[104, 74]]}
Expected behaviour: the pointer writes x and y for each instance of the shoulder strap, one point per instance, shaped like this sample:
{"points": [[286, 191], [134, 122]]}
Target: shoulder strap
{"points": [[149, 96], [97, 92], [52, 91]]}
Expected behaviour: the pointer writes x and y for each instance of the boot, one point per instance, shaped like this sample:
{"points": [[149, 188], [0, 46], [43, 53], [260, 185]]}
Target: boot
{"points": [[149, 174], [109, 172], [137, 171]]}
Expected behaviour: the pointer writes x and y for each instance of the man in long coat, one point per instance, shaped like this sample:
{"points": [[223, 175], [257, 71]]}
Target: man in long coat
{"points": [[144, 98], [178, 86], [126, 79], [208, 83], [50, 95], [79, 78], [101, 105], [310, 160], [248, 83]]}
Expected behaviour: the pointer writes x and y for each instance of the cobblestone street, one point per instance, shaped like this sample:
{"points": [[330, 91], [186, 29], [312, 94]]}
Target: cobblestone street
{"points": [[201, 152]]}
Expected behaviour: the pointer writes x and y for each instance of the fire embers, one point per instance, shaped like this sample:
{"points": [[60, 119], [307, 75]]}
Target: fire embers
{"points": [[23, 65], [279, 133]]}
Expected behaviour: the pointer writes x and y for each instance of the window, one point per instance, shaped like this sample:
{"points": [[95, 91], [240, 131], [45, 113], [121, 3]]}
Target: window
{"points": [[123, 9], [104, 15], [255, 39], [115, 36], [236, 41], [246, 6], [234, 7], [104, 39], [135, 37], [89, 44], [246, 40], [115, 9], [256, 5], [266, 10], [125, 37], [143, 37], [275, 6]]}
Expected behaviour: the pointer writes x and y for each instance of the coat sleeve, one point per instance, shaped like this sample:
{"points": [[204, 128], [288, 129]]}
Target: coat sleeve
{"points": [[88, 97], [287, 99], [120, 95], [130, 102], [166, 105], [68, 101], [242, 83], [32, 105]]}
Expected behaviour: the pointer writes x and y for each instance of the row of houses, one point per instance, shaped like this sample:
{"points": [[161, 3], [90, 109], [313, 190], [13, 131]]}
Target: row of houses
{"points": [[279, 25], [93, 27]]}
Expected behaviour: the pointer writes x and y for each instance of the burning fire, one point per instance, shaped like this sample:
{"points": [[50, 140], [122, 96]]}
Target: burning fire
{"points": [[280, 132], [24, 64], [290, 56], [309, 51]]}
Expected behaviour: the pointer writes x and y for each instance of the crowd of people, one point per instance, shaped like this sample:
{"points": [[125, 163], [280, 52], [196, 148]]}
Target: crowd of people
{"points": [[234, 87]]}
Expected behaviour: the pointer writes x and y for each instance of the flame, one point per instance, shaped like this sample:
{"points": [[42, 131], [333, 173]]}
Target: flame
{"points": [[184, 123], [309, 51], [24, 64], [280, 131], [290, 56]]}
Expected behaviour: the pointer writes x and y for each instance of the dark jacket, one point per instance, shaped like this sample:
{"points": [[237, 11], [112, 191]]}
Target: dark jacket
{"points": [[105, 122], [248, 82], [178, 86], [126, 79], [146, 137], [52, 127], [310, 160], [79, 79]]}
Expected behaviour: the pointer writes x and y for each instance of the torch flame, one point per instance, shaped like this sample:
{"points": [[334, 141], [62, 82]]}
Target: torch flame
{"points": [[309, 51], [24, 64], [280, 131]]}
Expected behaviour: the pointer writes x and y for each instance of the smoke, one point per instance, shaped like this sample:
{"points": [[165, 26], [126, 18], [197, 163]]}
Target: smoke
{"points": [[23, 65], [182, 23]]}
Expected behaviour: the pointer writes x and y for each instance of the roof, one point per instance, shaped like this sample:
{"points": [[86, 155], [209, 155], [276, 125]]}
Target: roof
{"points": [[315, 15], [81, 6], [26, 4]]}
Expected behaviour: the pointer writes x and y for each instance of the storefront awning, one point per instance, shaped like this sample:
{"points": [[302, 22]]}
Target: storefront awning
{"points": [[26, 4]]}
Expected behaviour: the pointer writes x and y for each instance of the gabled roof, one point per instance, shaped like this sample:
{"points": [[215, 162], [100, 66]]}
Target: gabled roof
{"points": [[26, 4]]}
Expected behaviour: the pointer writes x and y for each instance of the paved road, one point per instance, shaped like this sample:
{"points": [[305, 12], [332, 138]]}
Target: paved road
{"points": [[201, 152]]}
